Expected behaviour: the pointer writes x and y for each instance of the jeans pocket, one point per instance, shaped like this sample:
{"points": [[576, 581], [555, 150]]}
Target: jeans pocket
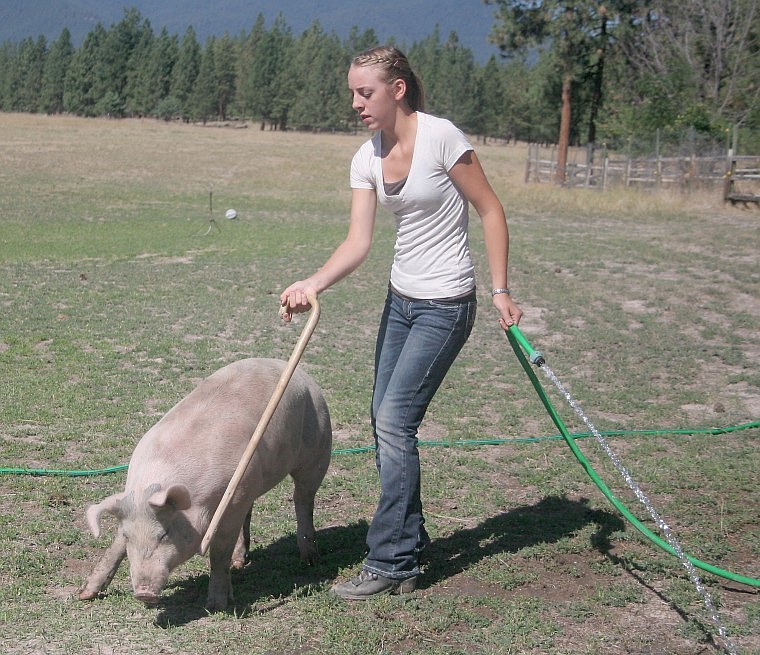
{"points": [[450, 305]]}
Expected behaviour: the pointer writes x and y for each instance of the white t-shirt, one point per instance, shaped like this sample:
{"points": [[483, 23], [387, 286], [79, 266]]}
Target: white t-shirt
{"points": [[432, 254]]}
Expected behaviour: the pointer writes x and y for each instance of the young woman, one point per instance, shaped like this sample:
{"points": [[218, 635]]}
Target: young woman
{"points": [[425, 171]]}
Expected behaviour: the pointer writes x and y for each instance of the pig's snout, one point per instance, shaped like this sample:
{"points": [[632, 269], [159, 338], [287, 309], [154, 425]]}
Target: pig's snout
{"points": [[146, 595]]}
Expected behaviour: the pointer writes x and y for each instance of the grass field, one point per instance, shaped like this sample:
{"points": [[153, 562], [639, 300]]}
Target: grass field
{"points": [[118, 294]]}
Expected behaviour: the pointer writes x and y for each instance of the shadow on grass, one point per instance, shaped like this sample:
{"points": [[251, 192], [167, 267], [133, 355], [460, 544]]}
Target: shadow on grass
{"points": [[273, 576], [546, 522], [275, 573]]}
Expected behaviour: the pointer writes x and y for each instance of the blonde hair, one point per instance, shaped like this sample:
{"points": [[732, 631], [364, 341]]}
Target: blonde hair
{"points": [[395, 66]]}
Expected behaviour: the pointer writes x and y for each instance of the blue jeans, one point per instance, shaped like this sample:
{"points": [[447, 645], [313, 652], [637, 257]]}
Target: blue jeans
{"points": [[417, 343]]}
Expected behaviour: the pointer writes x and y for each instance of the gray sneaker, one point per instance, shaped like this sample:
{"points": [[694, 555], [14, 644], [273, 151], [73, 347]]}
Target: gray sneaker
{"points": [[368, 584]]}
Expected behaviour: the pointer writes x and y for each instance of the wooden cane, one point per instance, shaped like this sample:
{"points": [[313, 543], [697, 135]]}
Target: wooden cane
{"points": [[263, 421]]}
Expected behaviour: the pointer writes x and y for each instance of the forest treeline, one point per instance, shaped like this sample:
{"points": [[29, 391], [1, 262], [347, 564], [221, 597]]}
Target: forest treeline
{"points": [[624, 71]]}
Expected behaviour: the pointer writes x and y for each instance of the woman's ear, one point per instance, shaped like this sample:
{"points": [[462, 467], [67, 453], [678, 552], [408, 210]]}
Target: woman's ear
{"points": [[399, 89]]}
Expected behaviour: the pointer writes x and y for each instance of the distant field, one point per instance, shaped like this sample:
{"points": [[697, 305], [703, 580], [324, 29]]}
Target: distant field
{"points": [[122, 285]]}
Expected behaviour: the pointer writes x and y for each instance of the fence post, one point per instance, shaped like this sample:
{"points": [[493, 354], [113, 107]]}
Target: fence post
{"points": [[527, 163], [728, 178], [537, 162], [658, 169], [692, 179]]}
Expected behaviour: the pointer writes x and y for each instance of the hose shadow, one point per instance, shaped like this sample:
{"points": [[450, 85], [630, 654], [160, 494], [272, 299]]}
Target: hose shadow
{"points": [[629, 566]]}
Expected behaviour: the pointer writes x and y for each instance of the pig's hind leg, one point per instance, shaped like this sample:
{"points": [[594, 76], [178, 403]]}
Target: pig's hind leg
{"points": [[305, 489], [105, 569]]}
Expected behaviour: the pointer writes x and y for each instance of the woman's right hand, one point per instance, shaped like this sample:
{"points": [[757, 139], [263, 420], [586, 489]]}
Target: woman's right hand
{"points": [[295, 300]]}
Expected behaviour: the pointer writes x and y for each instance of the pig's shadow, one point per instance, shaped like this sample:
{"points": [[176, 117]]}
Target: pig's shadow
{"points": [[275, 573]]}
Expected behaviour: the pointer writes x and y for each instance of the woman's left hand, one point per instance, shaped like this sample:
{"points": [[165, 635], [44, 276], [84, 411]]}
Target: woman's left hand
{"points": [[510, 312]]}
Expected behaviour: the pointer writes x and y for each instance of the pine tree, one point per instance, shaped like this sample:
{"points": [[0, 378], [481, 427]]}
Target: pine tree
{"points": [[203, 102], [113, 65], [424, 56], [263, 72], [7, 57], [137, 92], [490, 101], [456, 92], [359, 42], [26, 71], [319, 76], [53, 77], [225, 65], [249, 68], [165, 55], [78, 96], [185, 72], [278, 58]]}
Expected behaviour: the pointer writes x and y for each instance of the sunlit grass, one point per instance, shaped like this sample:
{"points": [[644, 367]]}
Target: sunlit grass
{"points": [[118, 295]]}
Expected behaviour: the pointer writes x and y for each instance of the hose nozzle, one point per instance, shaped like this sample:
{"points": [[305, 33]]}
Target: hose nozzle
{"points": [[535, 357]]}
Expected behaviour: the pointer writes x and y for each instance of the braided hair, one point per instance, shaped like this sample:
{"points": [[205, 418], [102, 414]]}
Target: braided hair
{"points": [[395, 66]]}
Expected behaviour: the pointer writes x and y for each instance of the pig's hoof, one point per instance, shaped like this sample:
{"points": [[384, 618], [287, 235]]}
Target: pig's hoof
{"points": [[309, 551], [147, 597], [88, 594], [216, 605], [239, 562], [310, 556]]}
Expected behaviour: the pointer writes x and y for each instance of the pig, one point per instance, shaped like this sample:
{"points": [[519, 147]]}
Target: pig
{"points": [[180, 469]]}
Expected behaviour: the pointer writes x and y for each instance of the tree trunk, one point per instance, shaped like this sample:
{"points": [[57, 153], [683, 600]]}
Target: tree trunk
{"points": [[564, 130], [596, 98]]}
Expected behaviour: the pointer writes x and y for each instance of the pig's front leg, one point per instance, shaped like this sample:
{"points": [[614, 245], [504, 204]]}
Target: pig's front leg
{"points": [[243, 545], [105, 569], [220, 584]]}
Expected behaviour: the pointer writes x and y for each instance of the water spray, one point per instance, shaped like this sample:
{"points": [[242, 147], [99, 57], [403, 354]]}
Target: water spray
{"points": [[517, 340], [520, 343]]}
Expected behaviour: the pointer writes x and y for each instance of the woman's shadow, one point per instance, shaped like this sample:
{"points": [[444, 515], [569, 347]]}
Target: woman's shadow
{"points": [[275, 573], [548, 521]]}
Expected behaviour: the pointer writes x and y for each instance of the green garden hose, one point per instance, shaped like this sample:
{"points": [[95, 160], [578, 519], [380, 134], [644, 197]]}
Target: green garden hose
{"points": [[425, 444], [518, 343], [63, 472], [516, 339]]}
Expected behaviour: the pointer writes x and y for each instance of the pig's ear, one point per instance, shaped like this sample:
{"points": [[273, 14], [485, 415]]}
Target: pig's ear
{"points": [[177, 495], [111, 505]]}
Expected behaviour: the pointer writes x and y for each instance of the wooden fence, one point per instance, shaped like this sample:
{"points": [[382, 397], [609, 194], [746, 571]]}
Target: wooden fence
{"points": [[738, 177], [742, 180]]}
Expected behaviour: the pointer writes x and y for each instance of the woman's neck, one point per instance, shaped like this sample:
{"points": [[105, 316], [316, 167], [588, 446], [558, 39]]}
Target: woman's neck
{"points": [[403, 132]]}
